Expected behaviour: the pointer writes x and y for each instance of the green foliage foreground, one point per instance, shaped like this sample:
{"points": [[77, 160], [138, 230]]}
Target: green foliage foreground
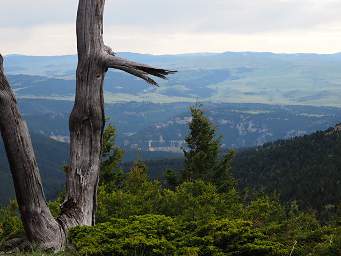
{"points": [[143, 217], [194, 213], [161, 235]]}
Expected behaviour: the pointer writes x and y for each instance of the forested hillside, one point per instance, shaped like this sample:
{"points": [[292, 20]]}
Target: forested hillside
{"points": [[306, 169]]}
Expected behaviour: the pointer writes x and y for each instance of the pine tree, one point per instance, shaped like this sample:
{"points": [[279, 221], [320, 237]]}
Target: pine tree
{"points": [[202, 157]]}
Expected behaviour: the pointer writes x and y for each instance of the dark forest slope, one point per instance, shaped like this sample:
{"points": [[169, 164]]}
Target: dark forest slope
{"points": [[306, 169]]}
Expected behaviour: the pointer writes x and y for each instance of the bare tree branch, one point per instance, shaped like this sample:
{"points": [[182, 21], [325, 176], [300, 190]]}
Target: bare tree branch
{"points": [[140, 70]]}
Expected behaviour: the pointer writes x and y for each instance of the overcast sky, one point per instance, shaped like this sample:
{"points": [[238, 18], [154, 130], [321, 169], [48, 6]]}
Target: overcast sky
{"points": [[47, 27]]}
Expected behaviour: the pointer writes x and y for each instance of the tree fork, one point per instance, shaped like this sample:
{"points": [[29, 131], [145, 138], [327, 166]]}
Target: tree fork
{"points": [[86, 129]]}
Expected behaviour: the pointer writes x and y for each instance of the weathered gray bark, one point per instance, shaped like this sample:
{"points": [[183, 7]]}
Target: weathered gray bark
{"points": [[38, 221], [86, 129]]}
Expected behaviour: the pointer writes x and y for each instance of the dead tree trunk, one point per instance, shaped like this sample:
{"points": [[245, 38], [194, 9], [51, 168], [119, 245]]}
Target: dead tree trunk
{"points": [[39, 224], [86, 129]]}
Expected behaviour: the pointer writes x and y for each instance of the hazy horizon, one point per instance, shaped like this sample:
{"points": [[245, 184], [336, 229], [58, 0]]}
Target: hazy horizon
{"points": [[173, 27], [183, 53]]}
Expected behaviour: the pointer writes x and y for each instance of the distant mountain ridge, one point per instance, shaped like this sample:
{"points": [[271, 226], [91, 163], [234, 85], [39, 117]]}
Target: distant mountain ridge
{"points": [[239, 77]]}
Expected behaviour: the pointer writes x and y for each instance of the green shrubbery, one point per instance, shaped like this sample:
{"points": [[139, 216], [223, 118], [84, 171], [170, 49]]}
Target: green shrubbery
{"points": [[161, 235], [143, 217], [197, 212], [189, 202]]}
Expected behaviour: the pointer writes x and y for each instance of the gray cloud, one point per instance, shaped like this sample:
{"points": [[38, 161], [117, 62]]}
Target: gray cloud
{"points": [[24, 13], [218, 16], [223, 16], [50, 23]]}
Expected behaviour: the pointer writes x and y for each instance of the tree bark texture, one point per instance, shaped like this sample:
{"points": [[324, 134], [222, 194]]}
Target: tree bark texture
{"points": [[86, 129], [87, 118], [38, 222]]}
